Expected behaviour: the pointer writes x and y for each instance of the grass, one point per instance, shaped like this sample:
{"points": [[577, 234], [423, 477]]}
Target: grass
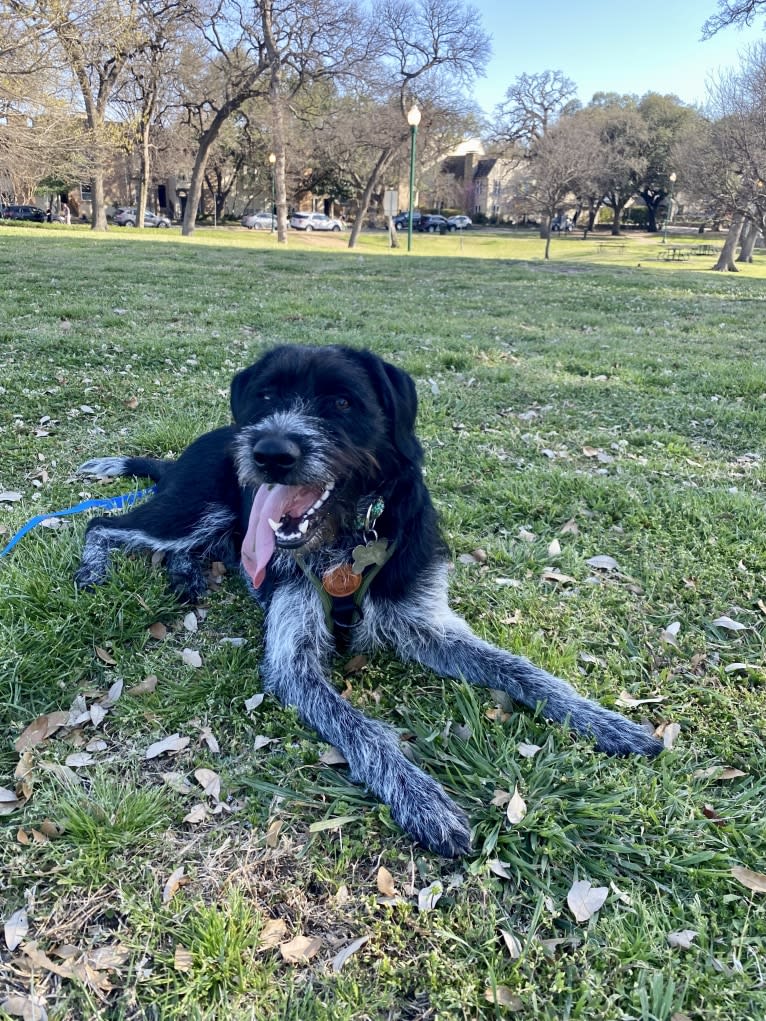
{"points": [[615, 408]]}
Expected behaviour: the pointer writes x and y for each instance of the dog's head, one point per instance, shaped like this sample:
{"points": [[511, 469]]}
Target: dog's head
{"points": [[319, 429]]}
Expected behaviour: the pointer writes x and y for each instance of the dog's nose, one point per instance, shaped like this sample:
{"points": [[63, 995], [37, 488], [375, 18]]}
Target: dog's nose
{"points": [[276, 453]]}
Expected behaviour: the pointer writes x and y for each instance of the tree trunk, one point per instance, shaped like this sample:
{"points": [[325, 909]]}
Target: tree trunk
{"points": [[652, 203], [200, 162], [747, 240], [143, 184], [548, 245], [393, 240], [726, 258], [98, 203], [364, 203]]}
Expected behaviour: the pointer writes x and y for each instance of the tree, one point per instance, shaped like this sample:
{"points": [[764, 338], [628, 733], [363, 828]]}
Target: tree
{"points": [[95, 42], [622, 141], [739, 98], [557, 161], [732, 12], [429, 51], [667, 121], [533, 102]]}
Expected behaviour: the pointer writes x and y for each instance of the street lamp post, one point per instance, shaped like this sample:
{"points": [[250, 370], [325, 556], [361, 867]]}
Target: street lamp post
{"points": [[272, 161], [413, 119], [669, 212]]}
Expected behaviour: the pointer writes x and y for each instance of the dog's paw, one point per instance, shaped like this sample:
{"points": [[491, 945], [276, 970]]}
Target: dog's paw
{"points": [[435, 822], [186, 577], [104, 467], [87, 578], [617, 735]]}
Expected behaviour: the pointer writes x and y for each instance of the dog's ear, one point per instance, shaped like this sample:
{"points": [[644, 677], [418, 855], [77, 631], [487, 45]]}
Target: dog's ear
{"points": [[399, 399]]}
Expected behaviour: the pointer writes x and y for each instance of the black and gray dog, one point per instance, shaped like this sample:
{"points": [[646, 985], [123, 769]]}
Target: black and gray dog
{"points": [[318, 487]]}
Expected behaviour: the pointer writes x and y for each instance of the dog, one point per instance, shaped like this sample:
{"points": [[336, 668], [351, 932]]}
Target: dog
{"points": [[317, 489]]}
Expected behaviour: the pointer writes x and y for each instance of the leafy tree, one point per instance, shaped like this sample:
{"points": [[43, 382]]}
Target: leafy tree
{"points": [[667, 121]]}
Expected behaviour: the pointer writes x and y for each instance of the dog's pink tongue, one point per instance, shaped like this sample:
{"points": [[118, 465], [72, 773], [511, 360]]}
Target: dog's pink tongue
{"points": [[270, 502]]}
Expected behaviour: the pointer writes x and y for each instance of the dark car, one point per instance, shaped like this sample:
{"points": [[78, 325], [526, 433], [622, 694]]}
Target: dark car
{"points": [[402, 220], [434, 224], [23, 213]]}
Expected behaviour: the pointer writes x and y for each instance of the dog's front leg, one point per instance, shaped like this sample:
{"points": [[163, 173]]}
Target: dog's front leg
{"points": [[426, 630], [298, 647]]}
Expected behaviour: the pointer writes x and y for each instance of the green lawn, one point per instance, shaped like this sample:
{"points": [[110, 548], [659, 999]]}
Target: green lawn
{"points": [[604, 404]]}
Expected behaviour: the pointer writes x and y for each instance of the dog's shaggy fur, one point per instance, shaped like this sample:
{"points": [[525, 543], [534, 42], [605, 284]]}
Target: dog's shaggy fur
{"points": [[324, 441]]}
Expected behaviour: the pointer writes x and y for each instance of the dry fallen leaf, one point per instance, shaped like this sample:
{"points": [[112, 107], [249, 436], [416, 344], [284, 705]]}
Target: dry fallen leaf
{"points": [[682, 939], [527, 751], [430, 895], [145, 687], [603, 563], [105, 657], [755, 881], [517, 808], [499, 868], [183, 959], [501, 799], [272, 833], [300, 949], [30, 1008], [198, 814], [669, 734], [333, 757], [628, 701], [585, 900], [554, 548], [551, 574], [210, 782], [502, 996], [158, 630], [191, 624], [254, 702], [41, 729], [718, 772], [172, 744], [728, 624], [9, 801], [191, 658], [513, 945], [79, 759], [175, 881], [385, 882], [271, 934], [343, 955], [16, 928]]}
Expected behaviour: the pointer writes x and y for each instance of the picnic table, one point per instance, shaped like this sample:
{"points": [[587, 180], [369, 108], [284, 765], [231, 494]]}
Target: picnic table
{"points": [[706, 249], [675, 253], [604, 246]]}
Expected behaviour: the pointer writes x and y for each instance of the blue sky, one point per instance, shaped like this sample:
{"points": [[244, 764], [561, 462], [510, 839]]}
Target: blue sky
{"points": [[608, 45]]}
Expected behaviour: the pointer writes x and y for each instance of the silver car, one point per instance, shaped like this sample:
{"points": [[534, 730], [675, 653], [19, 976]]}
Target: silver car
{"points": [[315, 221], [259, 221], [126, 217]]}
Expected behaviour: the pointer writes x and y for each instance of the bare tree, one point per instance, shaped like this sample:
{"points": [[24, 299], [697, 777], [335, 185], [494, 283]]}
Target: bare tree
{"points": [[739, 138], [95, 42], [430, 51], [533, 102], [732, 12], [557, 161]]}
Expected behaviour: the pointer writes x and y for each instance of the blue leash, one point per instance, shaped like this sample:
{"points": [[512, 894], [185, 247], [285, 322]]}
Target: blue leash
{"points": [[106, 503]]}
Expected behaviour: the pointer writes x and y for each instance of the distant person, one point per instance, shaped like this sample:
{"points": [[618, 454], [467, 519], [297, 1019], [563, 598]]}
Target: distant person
{"points": [[66, 213], [49, 215]]}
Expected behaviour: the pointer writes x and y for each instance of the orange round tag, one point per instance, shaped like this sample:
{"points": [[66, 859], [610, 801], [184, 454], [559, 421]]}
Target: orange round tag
{"points": [[341, 581]]}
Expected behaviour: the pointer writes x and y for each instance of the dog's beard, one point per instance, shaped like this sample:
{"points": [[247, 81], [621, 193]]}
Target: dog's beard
{"points": [[286, 516]]}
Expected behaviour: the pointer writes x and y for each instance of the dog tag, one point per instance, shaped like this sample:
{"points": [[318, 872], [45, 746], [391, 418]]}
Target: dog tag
{"points": [[366, 556], [341, 581]]}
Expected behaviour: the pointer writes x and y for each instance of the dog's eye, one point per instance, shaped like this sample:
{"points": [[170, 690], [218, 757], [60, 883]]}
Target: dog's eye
{"points": [[342, 403]]}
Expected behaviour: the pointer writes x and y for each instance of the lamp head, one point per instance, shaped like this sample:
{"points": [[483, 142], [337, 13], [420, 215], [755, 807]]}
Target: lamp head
{"points": [[272, 158], [413, 116]]}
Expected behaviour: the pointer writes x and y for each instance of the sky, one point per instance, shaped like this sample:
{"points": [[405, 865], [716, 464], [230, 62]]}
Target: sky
{"points": [[608, 45]]}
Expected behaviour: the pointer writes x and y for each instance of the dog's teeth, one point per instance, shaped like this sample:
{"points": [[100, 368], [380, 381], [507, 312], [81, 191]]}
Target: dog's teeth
{"points": [[303, 527], [273, 525]]}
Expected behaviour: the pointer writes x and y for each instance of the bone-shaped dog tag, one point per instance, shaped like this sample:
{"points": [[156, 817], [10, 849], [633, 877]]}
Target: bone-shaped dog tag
{"points": [[366, 556]]}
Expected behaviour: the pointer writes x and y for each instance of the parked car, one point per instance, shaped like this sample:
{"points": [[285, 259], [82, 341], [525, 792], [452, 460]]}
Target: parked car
{"points": [[401, 221], [562, 223], [14, 212], [259, 221], [126, 217], [433, 224], [315, 221], [459, 222]]}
